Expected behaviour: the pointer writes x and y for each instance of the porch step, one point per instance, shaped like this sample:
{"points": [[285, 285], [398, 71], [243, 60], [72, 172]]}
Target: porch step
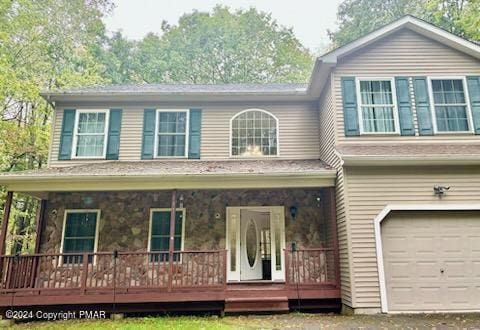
{"points": [[256, 304]]}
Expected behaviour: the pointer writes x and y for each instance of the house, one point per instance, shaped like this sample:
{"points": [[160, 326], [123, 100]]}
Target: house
{"points": [[361, 188]]}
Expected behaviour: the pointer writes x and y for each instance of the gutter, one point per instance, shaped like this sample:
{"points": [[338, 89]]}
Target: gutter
{"points": [[52, 183]]}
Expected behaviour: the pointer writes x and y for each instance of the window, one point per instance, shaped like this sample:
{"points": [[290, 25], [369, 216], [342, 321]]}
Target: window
{"points": [[79, 234], [254, 133], [172, 133], [160, 233], [90, 134], [377, 106], [450, 105]]}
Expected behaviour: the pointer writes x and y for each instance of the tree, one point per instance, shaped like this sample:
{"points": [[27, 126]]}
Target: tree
{"points": [[44, 44], [244, 46], [359, 17]]}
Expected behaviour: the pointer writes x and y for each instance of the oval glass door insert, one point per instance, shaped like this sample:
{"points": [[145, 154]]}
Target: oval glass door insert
{"points": [[251, 242]]}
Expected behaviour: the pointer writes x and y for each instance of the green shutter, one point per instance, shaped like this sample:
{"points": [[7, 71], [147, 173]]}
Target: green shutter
{"points": [[195, 133], [148, 140], [66, 139], [350, 111], [422, 105], [404, 106], [114, 127], [474, 94]]}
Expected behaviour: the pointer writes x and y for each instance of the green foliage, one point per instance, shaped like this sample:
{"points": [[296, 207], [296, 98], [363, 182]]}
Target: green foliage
{"points": [[44, 44], [359, 17], [244, 46]]}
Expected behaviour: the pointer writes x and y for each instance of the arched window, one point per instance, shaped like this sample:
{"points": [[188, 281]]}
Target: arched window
{"points": [[254, 133]]}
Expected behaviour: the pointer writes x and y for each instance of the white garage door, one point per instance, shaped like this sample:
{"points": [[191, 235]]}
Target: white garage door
{"points": [[432, 260]]}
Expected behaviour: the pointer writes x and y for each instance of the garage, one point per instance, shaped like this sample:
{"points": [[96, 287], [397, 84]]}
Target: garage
{"points": [[431, 260]]}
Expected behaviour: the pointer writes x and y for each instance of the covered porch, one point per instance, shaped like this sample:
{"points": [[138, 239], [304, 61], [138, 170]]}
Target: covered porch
{"points": [[249, 245]]}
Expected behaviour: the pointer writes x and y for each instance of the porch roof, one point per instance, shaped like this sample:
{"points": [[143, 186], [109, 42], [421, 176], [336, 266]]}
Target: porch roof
{"points": [[411, 153], [166, 174]]}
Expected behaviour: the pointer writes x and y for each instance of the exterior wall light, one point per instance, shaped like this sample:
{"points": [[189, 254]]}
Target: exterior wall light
{"points": [[440, 190], [293, 211]]}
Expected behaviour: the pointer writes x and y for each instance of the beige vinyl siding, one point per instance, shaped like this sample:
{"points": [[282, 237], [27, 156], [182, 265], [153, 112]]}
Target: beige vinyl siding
{"points": [[404, 53], [371, 189], [328, 155], [298, 133]]}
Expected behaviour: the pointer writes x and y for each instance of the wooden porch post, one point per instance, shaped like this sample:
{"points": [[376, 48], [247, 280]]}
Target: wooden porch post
{"points": [[171, 245], [40, 220], [38, 240], [6, 217], [333, 222]]}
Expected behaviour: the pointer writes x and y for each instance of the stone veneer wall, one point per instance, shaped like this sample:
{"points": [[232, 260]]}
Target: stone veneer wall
{"points": [[124, 221]]}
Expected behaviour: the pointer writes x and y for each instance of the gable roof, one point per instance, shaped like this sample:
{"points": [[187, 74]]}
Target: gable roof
{"points": [[327, 61], [410, 22]]}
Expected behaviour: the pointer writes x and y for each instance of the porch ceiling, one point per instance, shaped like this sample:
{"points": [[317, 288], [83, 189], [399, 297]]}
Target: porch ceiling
{"points": [[155, 174]]}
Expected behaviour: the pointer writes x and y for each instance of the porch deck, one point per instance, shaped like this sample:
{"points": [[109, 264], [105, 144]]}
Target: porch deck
{"points": [[182, 277]]}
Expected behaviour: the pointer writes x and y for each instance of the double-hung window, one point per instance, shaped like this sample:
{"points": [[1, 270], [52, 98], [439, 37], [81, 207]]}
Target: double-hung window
{"points": [[377, 106], [79, 234], [160, 233], [90, 134], [172, 133], [450, 105]]}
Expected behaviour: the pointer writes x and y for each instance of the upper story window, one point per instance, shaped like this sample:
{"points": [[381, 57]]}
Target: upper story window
{"points": [[377, 106], [172, 133], [254, 133], [90, 134], [450, 107]]}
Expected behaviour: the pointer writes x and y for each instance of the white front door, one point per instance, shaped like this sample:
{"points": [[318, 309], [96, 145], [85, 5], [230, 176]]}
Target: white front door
{"points": [[245, 228]]}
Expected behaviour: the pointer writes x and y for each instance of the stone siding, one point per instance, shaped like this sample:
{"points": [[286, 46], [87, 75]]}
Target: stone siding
{"points": [[124, 221]]}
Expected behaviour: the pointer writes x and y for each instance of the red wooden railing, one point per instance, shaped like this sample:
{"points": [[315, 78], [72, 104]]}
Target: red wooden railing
{"points": [[129, 271], [311, 266], [103, 270]]}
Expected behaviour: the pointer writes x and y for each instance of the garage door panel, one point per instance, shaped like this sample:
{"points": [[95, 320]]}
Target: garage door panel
{"points": [[456, 270], [429, 297], [425, 270], [417, 246], [423, 246]]}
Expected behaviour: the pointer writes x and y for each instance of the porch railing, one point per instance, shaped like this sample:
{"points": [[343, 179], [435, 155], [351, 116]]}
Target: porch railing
{"points": [[312, 266], [104, 270]]}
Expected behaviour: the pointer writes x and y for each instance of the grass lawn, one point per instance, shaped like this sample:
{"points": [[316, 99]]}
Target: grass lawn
{"points": [[165, 322], [279, 321]]}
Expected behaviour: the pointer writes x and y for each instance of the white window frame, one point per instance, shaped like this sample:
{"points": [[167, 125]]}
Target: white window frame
{"points": [[166, 209], [396, 120], [64, 226], [187, 132], [75, 133], [255, 157], [467, 103]]}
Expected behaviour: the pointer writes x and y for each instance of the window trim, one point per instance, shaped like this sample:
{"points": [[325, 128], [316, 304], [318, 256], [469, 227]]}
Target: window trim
{"points": [[396, 119], [187, 132], [468, 107], [254, 157], [75, 132], [150, 222], [97, 227]]}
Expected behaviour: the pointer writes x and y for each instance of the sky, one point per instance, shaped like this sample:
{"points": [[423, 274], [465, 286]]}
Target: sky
{"points": [[309, 19]]}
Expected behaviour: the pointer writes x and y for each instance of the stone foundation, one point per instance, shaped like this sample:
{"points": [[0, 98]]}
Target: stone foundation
{"points": [[124, 221]]}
